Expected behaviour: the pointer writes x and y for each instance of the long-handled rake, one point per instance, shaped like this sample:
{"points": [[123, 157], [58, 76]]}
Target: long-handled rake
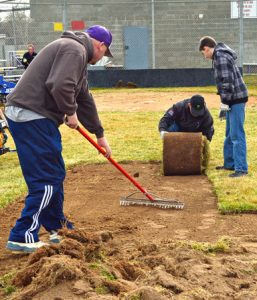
{"points": [[125, 201]]}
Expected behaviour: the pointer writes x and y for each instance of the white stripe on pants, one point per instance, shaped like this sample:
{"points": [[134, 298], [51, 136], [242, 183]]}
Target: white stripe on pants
{"points": [[45, 201]]}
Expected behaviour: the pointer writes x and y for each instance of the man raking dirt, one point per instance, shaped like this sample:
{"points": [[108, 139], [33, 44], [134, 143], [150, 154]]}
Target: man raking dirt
{"points": [[53, 87]]}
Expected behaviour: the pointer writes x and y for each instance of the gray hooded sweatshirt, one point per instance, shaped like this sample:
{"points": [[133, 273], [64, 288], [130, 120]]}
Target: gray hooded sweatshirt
{"points": [[55, 83]]}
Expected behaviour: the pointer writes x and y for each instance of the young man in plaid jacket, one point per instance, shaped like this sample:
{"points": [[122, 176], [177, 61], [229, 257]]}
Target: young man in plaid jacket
{"points": [[234, 95]]}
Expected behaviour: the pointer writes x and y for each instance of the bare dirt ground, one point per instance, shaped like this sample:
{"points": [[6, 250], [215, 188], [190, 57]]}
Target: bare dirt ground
{"points": [[137, 252], [151, 101]]}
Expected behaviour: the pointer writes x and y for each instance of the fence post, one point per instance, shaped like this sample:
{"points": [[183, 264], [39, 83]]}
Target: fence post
{"points": [[153, 36], [64, 15], [241, 33], [14, 29]]}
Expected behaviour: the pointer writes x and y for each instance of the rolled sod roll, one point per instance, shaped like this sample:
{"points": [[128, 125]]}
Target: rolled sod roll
{"points": [[185, 153]]}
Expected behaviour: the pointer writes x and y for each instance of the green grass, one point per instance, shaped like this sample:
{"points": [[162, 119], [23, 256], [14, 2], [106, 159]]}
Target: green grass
{"points": [[108, 275], [11, 181], [134, 297], [123, 131], [134, 137], [102, 290], [221, 246], [251, 81], [5, 283], [103, 271], [237, 194]]}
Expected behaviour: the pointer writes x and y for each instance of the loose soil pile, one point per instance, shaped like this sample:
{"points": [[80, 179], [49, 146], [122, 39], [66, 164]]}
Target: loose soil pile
{"points": [[136, 252], [91, 267]]}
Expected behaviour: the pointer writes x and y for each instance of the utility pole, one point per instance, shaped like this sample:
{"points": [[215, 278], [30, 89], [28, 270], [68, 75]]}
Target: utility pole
{"points": [[64, 15], [14, 30], [153, 35], [241, 33]]}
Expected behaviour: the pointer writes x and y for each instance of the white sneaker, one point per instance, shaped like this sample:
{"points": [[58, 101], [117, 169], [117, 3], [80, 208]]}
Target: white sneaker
{"points": [[24, 247], [54, 238]]}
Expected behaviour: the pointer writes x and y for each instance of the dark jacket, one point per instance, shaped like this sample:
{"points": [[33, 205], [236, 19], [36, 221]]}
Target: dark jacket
{"points": [[230, 84], [27, 58], [55, 84], [181, 115]]}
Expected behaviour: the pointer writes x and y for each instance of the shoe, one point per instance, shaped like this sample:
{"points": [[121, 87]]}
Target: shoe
{"points": [[54, 237], [24, 247], [237, 174], [223, 168]]}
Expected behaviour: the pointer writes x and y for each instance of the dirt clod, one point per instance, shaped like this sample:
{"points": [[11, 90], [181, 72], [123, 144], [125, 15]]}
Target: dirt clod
{"points": [[147, 249], [128, 270], [145, 293], [105, 236], [168, 281]]}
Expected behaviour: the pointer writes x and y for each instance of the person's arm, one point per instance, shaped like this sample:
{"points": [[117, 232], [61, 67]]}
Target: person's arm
{"points": [[167, 120], [207, 127], [88, 117], [72, 121], [87, 112], [225, 77]]}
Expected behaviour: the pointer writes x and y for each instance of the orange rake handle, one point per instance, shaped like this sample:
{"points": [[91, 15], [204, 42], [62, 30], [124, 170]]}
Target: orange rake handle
{"points": [[100, 149]]}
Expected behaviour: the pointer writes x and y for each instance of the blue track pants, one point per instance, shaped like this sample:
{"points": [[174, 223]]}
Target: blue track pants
{"points": [[39, 148]]}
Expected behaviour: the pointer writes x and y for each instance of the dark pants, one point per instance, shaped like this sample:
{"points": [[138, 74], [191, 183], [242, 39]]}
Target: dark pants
{"points": [[174, 128]]}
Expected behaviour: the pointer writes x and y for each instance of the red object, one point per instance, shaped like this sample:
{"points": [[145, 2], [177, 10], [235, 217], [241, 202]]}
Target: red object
{"points": [[100, 149], [78, 25]]}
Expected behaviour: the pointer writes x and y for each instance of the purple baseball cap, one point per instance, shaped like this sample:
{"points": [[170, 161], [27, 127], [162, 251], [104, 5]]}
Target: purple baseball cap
{"points": [[101, 34]]}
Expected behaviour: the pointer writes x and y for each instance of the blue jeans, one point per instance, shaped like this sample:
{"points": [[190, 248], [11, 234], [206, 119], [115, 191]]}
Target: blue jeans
{"points": [[234, 150]]}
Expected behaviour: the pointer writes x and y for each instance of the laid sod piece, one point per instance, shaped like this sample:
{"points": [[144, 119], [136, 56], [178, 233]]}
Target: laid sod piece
{"points": [[205, 155], [184, 153]]}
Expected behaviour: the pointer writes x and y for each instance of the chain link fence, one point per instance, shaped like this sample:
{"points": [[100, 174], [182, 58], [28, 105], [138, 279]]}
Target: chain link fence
{"points": [[146, 34]]}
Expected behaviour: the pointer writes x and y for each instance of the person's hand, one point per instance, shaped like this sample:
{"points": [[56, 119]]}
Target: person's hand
{"points": [[162, 133], [72, 121], [224, 108], [102, 142]]}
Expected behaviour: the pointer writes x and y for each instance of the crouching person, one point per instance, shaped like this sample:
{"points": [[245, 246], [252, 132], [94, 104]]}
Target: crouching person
{"points": [[189, 115]]}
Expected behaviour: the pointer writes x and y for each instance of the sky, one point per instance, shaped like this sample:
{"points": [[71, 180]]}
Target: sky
{"points": [[6, 5]]}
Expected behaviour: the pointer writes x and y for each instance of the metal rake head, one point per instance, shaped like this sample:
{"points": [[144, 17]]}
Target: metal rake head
{"points": [[159, 203]]}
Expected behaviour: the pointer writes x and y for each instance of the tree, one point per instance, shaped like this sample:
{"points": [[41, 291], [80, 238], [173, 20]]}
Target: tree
{"points": [[15, 26]]}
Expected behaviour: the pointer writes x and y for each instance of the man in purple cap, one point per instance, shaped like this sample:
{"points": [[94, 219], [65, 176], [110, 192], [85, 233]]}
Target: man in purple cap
{"points": [[53, 91], [102, 35]]}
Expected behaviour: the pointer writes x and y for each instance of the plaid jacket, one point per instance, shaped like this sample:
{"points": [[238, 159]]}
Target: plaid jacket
{"points": [[230, 84]]}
